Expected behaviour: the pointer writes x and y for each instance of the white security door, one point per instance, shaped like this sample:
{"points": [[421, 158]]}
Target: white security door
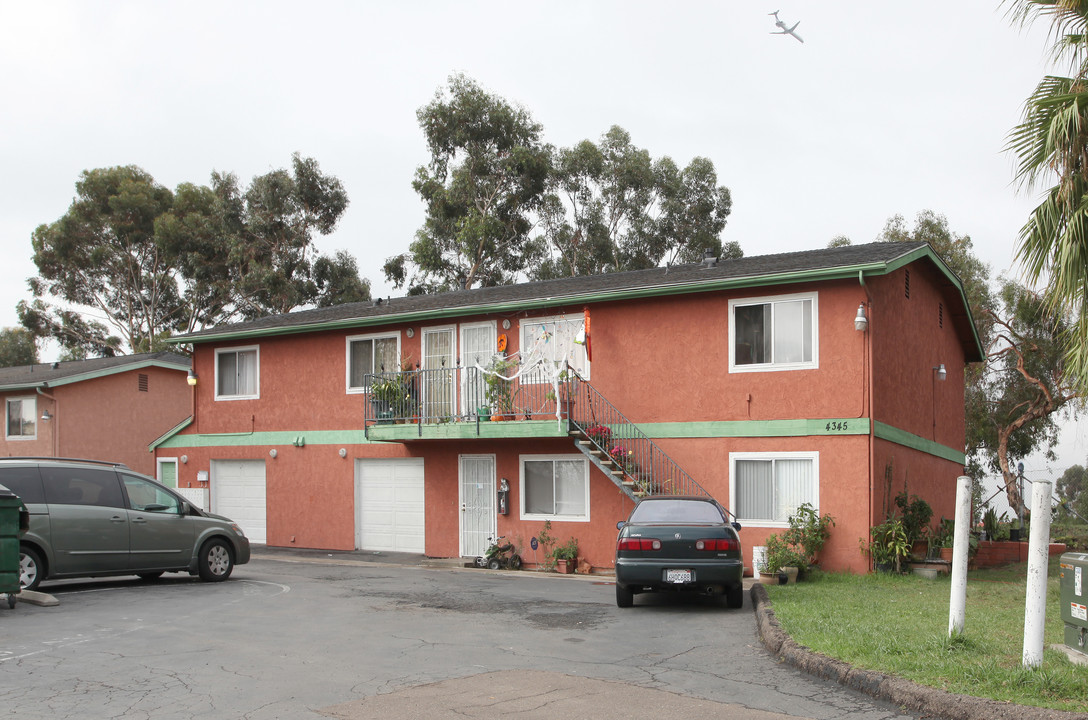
{"points": [[478, 519], [477, 348], [438, 380], [390, 505], [238, 492]]}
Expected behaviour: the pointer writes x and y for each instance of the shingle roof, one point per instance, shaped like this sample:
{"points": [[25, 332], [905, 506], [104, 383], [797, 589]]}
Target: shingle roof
{"points": [[873, 258], [63, 373]]}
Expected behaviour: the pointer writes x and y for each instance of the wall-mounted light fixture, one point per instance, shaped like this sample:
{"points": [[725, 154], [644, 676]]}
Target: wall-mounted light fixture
{"points": [[343, 452], [272, 453], [505, 324], [47, 416], [192, 377], [410, 332], [942, 374], [184, 459], [861, 323]]}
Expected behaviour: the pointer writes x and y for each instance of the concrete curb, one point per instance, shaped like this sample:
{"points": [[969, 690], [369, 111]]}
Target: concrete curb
{"points": [[33, 597], [927, 701]]}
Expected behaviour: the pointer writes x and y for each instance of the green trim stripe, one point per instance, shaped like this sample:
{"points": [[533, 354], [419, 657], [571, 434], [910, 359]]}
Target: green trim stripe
{"points": [[916, 442], [550, 429]]}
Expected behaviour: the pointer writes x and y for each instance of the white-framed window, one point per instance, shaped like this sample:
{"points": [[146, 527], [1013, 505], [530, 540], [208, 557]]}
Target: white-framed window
{"points": [[553, 339], [774, 333], [367, 354], [237, 373], [554, 487], [766, 488], [22, 418]]}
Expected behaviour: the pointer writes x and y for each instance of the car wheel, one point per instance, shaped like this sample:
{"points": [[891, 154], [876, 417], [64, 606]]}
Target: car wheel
{"points": [[734, 596], [150, 575], [216, 561], [30, 568], [625, 598]]}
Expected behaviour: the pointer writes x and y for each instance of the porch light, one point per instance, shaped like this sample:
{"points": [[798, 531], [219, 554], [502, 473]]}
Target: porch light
{"points": [[861, 323], [192, 378], [942, 374], [47, 416]]}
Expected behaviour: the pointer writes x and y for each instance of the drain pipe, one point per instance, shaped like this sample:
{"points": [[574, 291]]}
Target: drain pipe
{"points": [[56, 413], [868, 375]]}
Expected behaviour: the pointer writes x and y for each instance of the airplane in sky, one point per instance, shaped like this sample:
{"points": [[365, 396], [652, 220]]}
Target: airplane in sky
{"points": [[785, 30]]}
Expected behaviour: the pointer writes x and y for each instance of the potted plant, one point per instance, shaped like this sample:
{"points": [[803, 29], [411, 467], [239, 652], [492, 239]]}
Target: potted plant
{"points": [[384, 396], [915, 514], [566, 556], [500, 390], [888, 546], [807, 534], [782, 558], [600, 434]]}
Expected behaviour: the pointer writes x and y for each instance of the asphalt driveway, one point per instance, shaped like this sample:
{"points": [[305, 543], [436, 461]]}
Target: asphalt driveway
{"points": [[337, 636]]}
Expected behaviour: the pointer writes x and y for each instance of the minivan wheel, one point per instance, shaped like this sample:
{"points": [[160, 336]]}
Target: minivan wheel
{"points": [[216, 561], [30, 568]]}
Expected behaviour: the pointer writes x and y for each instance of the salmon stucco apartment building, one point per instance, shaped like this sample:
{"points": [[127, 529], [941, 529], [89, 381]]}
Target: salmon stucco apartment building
{"points": [[108, 409], [833, 377]]}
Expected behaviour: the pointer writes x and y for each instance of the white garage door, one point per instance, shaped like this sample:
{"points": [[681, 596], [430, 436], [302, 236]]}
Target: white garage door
{"points": [[389, 505], [238, 492]]}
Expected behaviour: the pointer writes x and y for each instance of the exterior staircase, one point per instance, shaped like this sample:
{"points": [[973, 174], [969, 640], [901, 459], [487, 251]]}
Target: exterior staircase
{"points": [[634, 462]]}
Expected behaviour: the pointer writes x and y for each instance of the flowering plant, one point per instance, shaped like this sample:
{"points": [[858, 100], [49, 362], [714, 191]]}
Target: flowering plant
{"points": [[624, 458], [600, 434]]}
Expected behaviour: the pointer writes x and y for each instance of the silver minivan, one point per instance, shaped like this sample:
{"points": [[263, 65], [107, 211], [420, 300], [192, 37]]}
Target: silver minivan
{"points": [[91, 519]]}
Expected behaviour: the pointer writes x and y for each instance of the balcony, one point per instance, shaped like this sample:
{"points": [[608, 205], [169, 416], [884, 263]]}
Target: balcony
{"points": [[461, 403]]}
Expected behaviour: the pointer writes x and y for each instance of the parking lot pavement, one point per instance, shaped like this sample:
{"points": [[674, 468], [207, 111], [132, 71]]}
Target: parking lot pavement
{"points": [[354, 638]]}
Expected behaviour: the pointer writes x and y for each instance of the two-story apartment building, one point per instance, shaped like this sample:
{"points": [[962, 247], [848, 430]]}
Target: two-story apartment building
{"points": [[103, 408], [833, 377]]}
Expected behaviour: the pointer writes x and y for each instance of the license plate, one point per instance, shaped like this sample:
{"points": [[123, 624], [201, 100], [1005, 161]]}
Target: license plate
{"points": [[678, 576]]}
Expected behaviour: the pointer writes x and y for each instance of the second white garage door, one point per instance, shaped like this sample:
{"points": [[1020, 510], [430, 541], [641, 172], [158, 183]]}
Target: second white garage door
{"points": [[389, 505], [238, 492]]}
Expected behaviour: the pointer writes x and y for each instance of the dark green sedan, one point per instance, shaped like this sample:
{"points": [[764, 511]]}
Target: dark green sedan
{"points": [[679, 543]]}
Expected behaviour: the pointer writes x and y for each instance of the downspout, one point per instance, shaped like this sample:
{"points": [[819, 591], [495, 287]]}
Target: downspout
{"points": [[56, 415], [868, 375]]}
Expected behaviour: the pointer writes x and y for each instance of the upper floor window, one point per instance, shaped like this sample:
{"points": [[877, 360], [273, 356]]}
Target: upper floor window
{"points": [[766, 488], [237, 373], [369, 354], [773, 333], [553, 339], [22, 418]]}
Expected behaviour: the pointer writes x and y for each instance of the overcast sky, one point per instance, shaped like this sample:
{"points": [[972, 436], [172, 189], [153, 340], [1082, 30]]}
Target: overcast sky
{"points": [[886, 108]]}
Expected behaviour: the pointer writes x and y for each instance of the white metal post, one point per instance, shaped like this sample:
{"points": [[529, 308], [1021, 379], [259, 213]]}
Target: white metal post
{"points": [[957, 606], [1038, 559]]}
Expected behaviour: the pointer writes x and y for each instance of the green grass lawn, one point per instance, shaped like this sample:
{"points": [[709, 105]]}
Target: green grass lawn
{"points": [[899, 624]]}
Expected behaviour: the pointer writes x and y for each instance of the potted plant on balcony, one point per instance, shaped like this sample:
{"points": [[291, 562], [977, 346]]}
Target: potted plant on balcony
{"points": [[500, 390], [566, 556], [385, 392]]}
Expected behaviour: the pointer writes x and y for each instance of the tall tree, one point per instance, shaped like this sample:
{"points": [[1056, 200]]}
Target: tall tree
{"points": [[1024, 387], [485, 180], [612, 207], [1051, 146], [130, 262], [17, 347]]}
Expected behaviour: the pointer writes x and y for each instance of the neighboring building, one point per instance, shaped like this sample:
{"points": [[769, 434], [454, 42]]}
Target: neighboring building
{"points": [[100, 409], [750, 374]]}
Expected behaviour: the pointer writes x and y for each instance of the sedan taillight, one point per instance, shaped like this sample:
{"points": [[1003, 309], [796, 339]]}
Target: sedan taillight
{"points": [[718, 544], [638, 544]]}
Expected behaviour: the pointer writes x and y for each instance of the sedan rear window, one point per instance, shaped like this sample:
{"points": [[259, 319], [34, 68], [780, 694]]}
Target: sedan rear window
{"points": [[684, 511]]}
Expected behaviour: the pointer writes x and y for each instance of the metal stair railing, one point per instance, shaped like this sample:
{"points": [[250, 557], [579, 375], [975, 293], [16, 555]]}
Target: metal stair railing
{"points": [[634, 462]]}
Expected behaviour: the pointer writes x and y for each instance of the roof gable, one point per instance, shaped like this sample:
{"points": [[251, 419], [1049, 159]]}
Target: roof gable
{"points": [[23, 377]]}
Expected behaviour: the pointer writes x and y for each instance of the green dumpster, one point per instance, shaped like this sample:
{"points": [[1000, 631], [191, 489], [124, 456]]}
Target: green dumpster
{"points": [[1074, 594], [13, 522]]}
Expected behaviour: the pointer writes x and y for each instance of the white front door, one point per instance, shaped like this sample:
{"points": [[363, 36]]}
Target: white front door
{"points": [[438, 380], [238, 492], [477, 348], [478, 519], [390, 505]]}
